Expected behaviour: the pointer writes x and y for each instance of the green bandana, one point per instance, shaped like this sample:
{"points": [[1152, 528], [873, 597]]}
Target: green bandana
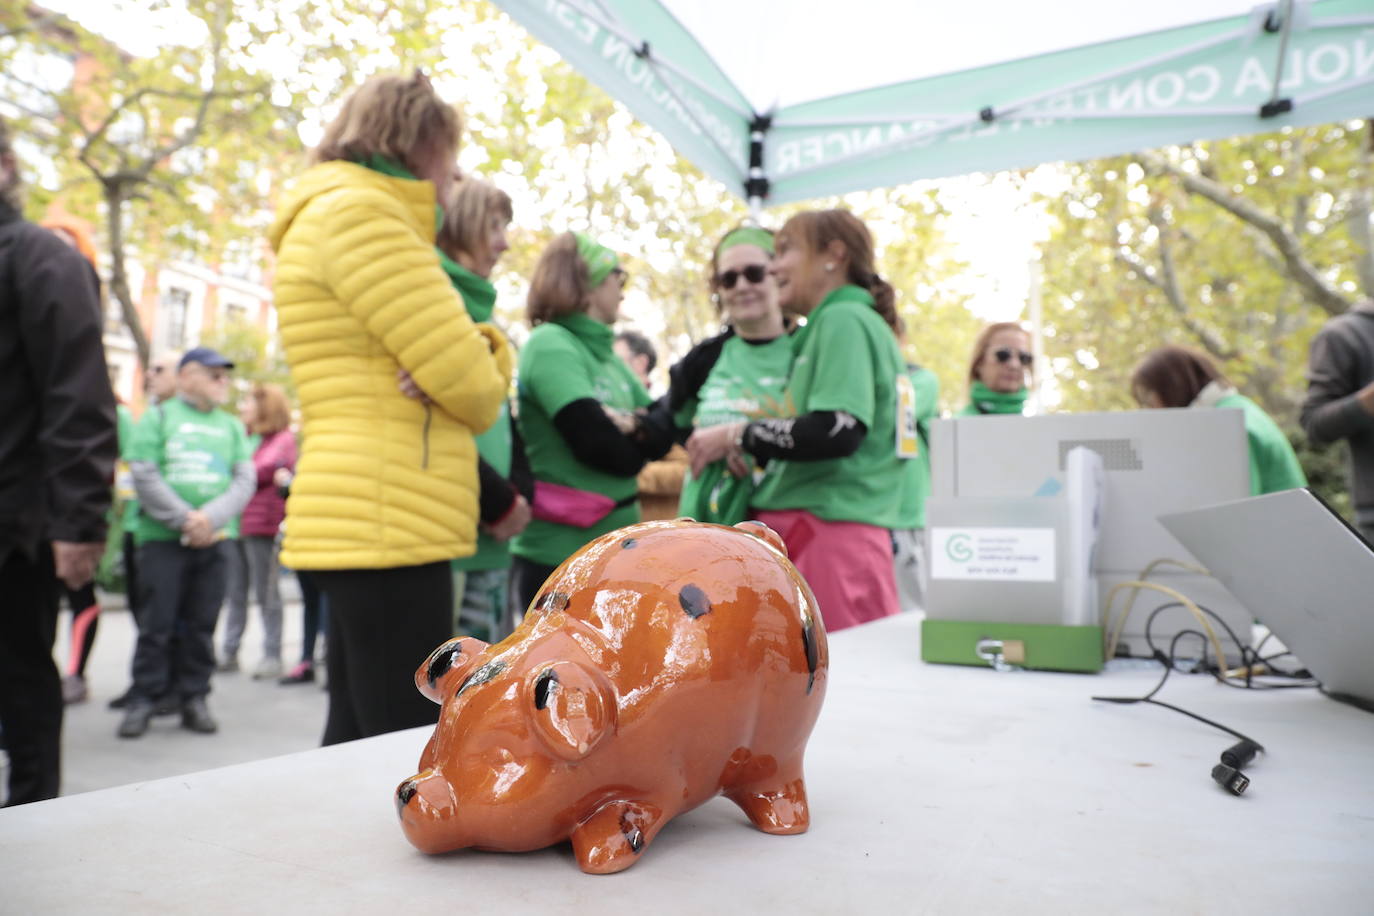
{"points": [[594, 334], [478, 294], [391, 167], [985, 400], [599, 259], [747, 235]]}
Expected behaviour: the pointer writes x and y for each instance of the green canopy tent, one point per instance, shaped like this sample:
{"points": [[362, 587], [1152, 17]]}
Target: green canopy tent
{"points": [[790, 101]]}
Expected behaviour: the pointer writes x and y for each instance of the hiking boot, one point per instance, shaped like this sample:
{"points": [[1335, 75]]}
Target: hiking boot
{"points": [[137, 715], [196, 717], [268, 669], [120, 701], [303, 673], [74, 689]]}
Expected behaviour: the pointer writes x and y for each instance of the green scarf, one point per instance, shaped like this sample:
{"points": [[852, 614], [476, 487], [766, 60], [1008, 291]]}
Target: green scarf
{"points": [[595, 335], [985, 400], [599, 259], [478, 294], [391, 167], [747, 235]]}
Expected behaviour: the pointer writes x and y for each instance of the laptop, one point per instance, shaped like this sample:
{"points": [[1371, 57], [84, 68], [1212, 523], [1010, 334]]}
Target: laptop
{"points": [[1303, 572]]}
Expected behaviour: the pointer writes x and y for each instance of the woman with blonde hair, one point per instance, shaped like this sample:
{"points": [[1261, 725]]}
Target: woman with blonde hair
{"points": [[386, 491], [471, 241], [999, 371], [578, 403], [267, 415]]}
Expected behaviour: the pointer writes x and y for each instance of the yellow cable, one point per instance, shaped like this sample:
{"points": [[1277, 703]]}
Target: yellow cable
{"points": [[1145, 575], [1135, 590], [1172, 593]]}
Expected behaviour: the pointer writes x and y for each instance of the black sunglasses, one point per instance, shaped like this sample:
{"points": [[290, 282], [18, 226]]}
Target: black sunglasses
{"points": [[754, 273], [1005, 354]]}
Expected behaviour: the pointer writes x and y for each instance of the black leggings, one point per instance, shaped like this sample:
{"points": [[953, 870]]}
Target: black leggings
{"points": [[85, 621], [314, 618], [527, 577], [383, 623]]}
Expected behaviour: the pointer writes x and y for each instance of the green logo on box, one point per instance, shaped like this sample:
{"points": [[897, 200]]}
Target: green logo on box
{"points": [[959, 548]]}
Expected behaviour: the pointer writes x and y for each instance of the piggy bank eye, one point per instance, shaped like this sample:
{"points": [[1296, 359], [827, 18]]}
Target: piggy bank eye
{"points": [[572, 707], [446, 666]]}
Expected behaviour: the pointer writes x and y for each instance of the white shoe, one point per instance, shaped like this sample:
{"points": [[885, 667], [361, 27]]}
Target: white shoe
{"points": [[267, 669]]}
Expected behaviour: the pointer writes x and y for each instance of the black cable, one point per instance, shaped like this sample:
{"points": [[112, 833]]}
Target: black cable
{"points": [[1249, 657], [1168, 662]]}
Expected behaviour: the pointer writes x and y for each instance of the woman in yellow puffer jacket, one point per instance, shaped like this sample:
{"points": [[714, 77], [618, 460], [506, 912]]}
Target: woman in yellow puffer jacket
{"points": [[386, 488]]}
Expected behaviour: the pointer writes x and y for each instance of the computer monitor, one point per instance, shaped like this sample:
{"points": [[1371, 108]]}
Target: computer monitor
{"points": [[1155, 461]]}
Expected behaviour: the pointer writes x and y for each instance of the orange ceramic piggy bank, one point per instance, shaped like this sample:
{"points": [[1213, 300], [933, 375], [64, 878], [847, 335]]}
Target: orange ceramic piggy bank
{"points": [[662, 665]]}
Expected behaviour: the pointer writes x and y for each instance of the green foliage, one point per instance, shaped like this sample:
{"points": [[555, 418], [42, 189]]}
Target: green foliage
{"points": [[177, 153], [255, 357], [1327, 470], [1184, 248], [1138, 257]]}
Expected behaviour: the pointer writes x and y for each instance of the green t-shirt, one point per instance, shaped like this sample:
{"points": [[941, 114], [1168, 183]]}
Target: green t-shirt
{"points": [[565, 361], [926, 390], [1273, 464], [746, 383], [847, 359], [195, 452]]}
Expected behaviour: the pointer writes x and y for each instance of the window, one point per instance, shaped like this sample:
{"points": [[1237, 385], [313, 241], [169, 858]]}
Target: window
{"points": [[176, 302]]}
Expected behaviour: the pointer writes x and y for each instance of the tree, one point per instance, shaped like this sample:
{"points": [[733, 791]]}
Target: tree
{"points": [[1240, 247], [184, 146], [254, 357]]}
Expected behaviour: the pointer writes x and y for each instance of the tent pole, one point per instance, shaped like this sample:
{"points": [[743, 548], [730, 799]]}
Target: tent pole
{"points": [[1276, 104], [756, 187]]}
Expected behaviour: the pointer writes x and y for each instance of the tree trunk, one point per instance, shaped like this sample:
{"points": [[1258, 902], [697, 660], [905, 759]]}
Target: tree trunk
{"points": [[115, 198]]}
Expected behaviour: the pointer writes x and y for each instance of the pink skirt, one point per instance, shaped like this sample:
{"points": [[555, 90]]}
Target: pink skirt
{"points": [[847, 564]]}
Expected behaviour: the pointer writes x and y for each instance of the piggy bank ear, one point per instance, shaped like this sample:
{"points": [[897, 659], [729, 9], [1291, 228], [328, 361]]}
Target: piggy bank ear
{"points": [[572, 707], [447, 666], [765, 534]]}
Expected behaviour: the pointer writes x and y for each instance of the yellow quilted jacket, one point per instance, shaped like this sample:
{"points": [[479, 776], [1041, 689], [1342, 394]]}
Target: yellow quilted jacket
{"points": [[382, 481]]}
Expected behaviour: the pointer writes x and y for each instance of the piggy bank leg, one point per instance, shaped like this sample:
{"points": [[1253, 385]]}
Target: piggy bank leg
{"points": [[776, 804], [612, 839]]}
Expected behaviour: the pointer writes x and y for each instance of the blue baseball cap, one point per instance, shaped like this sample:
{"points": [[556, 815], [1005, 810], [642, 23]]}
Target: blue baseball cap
{"points": [[207, 357]]}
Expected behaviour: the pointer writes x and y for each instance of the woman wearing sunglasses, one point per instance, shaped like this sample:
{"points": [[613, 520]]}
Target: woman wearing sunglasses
{"points": [[1000, 370], [834, 479], [731, 378], [577, 400], [1179, 377]]}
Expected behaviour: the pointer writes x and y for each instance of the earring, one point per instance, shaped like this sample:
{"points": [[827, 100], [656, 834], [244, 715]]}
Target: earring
{"points": [[829, 267]]}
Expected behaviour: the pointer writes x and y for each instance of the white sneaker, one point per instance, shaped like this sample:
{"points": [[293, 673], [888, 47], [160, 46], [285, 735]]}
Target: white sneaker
{"points": [[267, 669]]}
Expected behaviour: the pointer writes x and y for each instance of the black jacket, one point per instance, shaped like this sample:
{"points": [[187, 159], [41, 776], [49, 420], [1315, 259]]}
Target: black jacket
{"points": [[58, 439], [1340, 363]]}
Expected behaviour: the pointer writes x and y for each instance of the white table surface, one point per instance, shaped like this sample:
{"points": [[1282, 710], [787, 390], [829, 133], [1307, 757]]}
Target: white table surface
{"points": [[934, 789]]}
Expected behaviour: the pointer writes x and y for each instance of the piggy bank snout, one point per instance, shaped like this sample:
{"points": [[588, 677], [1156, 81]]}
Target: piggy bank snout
{"points": [[428, 810]]}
